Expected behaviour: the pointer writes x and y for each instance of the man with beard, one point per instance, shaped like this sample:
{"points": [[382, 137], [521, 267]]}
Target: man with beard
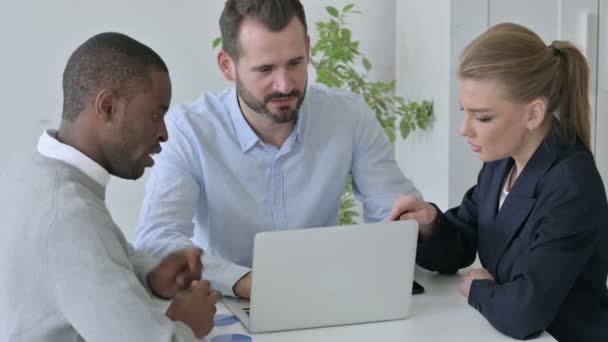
{"points": [[271, 153]]}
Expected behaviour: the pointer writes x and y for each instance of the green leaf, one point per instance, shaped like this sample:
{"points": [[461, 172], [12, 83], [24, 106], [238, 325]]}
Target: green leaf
{"points": [[332, 11], [348, 8], [404, 127], [391, 134], [350, 213], [346, 34], [217, 41], [367, 64]]}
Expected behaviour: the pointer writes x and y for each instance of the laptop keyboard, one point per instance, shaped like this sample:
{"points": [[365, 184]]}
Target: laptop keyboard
{"points": [[415, 290]]}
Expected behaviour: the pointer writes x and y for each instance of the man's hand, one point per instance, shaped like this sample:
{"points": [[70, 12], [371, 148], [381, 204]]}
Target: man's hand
{"points": [[195, 307], [176, 272], [242, 288], [408, 207], [478, 273]]}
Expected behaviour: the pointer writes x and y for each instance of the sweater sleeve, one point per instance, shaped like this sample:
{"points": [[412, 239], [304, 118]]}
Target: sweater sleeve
{"points": [[93, 280], [142, 265]]}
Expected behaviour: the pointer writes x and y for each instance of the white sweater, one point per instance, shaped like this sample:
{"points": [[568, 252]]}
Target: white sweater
{"points": [[67, 272]]}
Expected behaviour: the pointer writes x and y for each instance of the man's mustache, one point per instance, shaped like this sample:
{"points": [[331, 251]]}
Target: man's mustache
{"points": [[294, 93]]}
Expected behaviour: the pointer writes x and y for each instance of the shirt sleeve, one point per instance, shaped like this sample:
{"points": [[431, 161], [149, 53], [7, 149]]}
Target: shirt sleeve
{"points": [[377, 179], [94, 284], [174, 191], [223, 274]]}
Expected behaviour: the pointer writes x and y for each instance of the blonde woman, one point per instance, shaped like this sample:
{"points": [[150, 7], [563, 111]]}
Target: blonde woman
{"points": [[538, 215]]}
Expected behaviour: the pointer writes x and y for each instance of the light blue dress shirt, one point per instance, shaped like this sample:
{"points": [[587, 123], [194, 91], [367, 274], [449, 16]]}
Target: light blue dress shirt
{"points": [[216, 184]]}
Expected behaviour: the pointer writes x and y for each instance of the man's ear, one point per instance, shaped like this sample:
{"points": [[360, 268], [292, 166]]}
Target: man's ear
{"points": [[307, 48], [106, 104], [536, 113], [226, 65]]}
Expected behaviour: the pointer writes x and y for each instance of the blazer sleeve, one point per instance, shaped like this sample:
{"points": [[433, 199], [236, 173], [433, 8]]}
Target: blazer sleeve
{"points": [[453, 244], [564, 228]]}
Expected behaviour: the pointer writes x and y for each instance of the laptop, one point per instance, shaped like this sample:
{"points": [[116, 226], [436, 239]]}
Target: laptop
{"points": [[329, 276]]}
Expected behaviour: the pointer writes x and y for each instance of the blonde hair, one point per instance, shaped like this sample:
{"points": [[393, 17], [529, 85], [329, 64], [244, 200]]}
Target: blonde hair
{"points": [[517, 57]]}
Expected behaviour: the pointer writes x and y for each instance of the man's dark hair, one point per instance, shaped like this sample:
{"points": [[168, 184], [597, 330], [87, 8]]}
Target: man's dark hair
{"points": [[274, 14], [111, 60]]}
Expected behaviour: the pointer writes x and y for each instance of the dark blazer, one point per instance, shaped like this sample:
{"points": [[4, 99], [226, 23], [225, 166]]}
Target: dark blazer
{"points": [[547, 247]]}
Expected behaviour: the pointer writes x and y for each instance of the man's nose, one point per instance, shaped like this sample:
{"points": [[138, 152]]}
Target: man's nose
{"points": [[283, 83], [163, 134]]}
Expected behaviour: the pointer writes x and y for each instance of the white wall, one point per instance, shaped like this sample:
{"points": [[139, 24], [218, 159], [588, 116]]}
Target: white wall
{"points": [[423, 47], [467, 21], [37, 37]]}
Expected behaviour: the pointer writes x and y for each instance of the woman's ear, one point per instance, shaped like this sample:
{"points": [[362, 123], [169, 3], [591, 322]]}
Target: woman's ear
{"points": [[226, 65], [537, 110]]}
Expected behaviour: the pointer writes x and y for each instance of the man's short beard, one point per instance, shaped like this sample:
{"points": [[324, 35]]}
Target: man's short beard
{"points": [[286, 114]]}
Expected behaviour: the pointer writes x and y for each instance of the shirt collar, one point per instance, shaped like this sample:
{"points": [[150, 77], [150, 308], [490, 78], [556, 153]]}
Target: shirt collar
{"points": [[50, 147], [244, 132], [246, 135]]}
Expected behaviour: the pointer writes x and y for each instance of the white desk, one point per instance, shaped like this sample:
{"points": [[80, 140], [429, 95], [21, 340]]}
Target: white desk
{"points": [[440, 314]]}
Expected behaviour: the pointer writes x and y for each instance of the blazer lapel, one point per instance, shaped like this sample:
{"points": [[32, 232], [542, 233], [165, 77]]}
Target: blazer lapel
{"points": [[509, 222], [491, 236], [520, 201]]}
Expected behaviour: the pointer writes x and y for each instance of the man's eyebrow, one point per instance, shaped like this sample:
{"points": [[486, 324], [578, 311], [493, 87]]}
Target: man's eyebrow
{"points": [[479, 110], [260, 67]]}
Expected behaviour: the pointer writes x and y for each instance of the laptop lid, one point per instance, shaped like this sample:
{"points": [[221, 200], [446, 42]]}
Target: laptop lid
{"points": [[331, 276]]}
